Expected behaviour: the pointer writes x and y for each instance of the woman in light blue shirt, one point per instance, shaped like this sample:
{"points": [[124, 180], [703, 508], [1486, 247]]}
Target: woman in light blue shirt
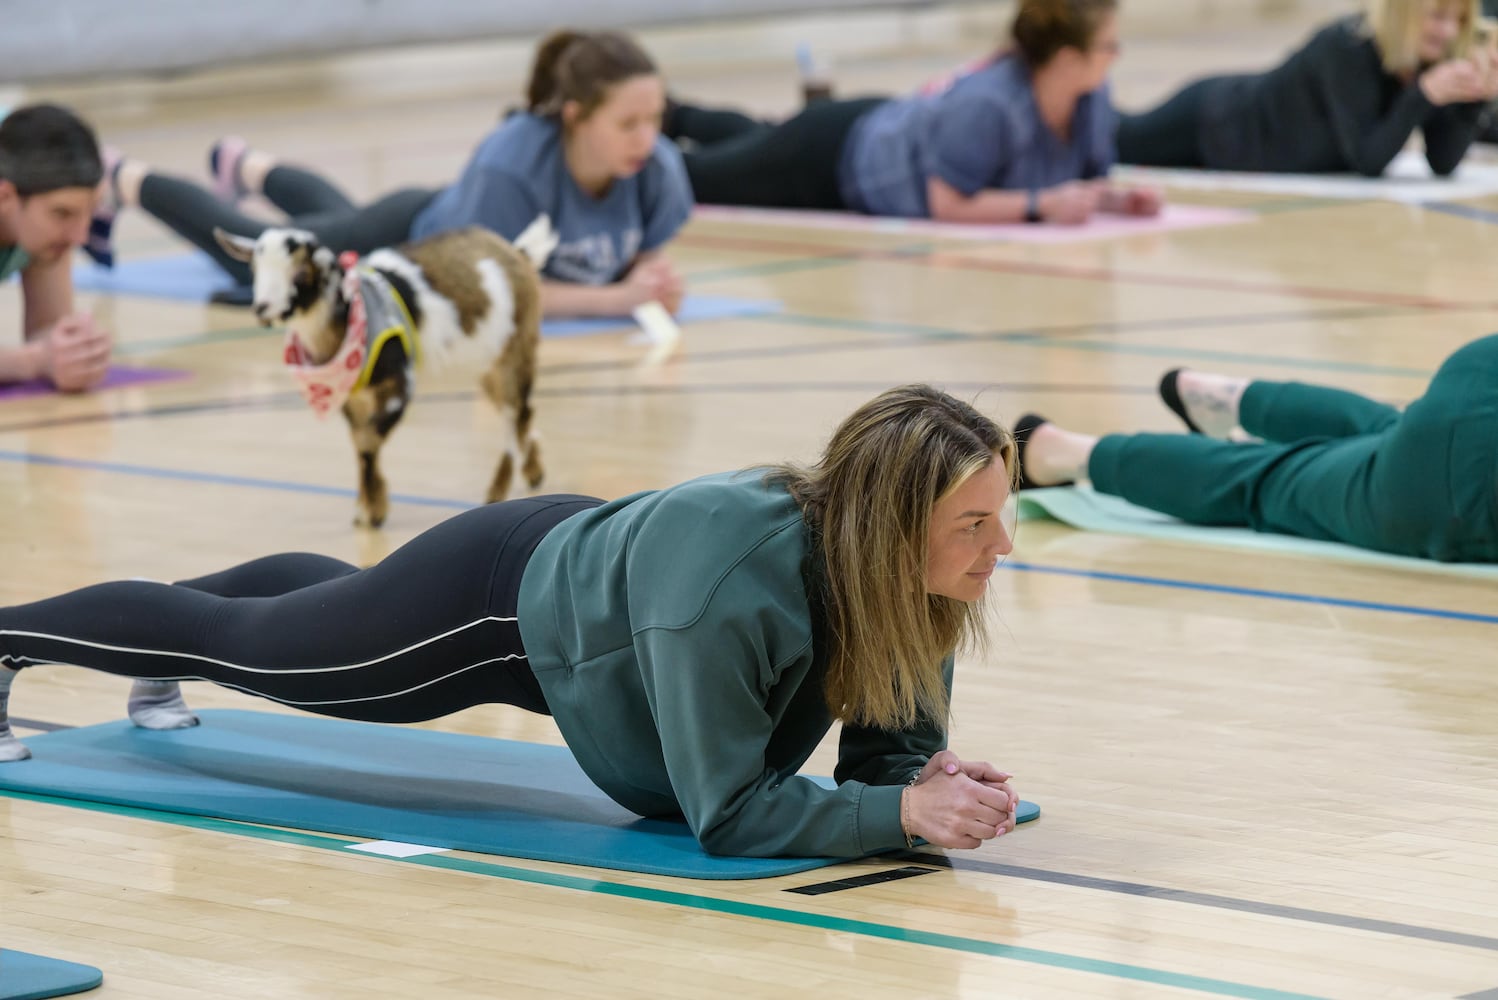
{"points": [[1026, 135], [586, 151]]}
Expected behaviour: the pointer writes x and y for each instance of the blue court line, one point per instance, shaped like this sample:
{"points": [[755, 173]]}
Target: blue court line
{"points": [[706, 904], [250, 482], [1463, 211], [1270, 595], [217, 479]]}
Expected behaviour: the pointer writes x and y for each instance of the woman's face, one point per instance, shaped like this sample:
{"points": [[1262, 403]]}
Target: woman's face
{"points": [[1440, 26], [619, 135], [968, 535], [1097, 62]]}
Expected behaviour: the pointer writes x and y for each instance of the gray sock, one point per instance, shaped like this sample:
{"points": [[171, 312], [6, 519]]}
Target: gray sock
{"points": [[159, 705], [10, 747]]}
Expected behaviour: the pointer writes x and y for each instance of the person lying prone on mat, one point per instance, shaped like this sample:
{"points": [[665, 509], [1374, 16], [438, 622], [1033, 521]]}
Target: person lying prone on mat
{"points": [[1025, 135], [694, 644], [1347, 101], [586, 152], [1327, 464], [49, 172]]}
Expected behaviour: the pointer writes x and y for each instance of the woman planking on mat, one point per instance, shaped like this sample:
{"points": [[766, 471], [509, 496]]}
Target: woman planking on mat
{"points": [[1025, 135], [49, 169], [1348, 101], [694, 644], [586, 151], [1330, 464]]}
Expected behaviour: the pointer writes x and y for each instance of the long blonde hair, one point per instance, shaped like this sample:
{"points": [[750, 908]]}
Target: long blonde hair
{"points": [[868, 500], [1395, 28]]}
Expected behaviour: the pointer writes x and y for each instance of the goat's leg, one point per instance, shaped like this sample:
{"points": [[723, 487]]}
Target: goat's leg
{"points": [[372, 414], [535, 472], [496, 384]]}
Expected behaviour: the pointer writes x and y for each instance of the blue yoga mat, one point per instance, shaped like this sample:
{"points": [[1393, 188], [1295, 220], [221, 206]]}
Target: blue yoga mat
{"points": [[416, 786], [25, 976], [194, 277]]}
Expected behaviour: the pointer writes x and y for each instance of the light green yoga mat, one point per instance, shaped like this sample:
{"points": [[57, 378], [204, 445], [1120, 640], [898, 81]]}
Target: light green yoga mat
{"points": [[1083, 508]]}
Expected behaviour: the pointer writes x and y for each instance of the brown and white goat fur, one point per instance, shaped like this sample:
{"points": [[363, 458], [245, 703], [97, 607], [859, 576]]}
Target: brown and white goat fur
{"points": [[468, 292]]}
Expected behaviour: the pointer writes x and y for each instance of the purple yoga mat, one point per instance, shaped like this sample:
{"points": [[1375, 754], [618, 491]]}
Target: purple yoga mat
{"points": [[118, 377]]}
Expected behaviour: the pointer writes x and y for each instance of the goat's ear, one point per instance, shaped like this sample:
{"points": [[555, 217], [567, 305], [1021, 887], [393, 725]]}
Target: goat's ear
{"points": [[239, 247]]}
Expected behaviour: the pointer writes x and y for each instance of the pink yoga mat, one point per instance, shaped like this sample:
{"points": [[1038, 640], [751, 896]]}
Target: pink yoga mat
{"points": [[1103, 227], [118, 377]]}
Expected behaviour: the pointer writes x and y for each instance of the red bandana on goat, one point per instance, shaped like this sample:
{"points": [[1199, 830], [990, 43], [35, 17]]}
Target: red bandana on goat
{"points": [[372, 302]]}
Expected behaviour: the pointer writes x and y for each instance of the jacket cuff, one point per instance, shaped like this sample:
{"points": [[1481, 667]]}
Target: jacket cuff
{"points": [[879, 818]]}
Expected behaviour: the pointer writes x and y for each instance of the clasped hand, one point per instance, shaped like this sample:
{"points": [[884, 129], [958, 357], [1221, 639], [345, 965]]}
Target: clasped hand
{"points": [[958, 803], [74, 353], [1464, 80]]}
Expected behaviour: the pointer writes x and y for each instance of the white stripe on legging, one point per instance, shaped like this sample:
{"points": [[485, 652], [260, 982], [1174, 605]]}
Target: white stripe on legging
{"points": [[7, 658], [336, 701]]}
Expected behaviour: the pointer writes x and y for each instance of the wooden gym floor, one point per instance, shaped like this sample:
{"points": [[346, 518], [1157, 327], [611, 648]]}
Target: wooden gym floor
{"points": [[1255, 783]]}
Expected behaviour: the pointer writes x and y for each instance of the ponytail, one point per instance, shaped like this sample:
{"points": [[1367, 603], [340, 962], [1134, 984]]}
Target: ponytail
{"points": [[1043, 28], [581, 66]]}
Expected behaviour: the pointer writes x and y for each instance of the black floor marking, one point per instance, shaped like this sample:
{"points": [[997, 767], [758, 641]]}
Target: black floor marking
{"points": [[1208, 899], [859, 881]]}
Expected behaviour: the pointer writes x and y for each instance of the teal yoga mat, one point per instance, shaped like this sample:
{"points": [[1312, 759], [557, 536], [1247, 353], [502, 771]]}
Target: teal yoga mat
{"points": [[394, 783], [24, 976], [1083, 508], [194, 277]]}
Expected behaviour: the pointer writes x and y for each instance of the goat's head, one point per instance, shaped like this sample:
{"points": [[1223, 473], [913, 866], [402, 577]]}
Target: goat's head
{"points": [[294, 273]]}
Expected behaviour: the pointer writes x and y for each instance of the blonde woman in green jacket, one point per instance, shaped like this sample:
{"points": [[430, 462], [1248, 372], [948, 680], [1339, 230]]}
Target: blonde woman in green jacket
{"points": [[694, 644]]}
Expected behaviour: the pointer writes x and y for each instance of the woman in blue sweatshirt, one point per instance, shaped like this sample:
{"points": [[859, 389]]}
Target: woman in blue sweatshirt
{"points": [[586, 152], [694, 644]]}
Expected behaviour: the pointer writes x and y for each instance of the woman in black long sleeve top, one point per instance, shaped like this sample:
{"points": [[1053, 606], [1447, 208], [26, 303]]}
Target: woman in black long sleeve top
{"points": [[1347, 101]]}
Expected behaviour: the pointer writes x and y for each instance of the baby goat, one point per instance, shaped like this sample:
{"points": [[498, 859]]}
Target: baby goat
{"points": [[355, 331]]}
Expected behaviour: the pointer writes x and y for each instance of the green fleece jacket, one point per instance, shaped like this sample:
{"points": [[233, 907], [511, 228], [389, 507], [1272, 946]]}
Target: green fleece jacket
{"points": [[13, 260], [677, 638]]}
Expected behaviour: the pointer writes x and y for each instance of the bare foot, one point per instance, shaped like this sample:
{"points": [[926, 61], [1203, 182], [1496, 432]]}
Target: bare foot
{"points": [[1054, 456]]}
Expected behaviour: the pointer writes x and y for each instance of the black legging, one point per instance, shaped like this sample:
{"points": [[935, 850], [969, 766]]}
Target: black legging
{"points": [[1168, 136], [741, 161], [310, 202], [426, 632]]}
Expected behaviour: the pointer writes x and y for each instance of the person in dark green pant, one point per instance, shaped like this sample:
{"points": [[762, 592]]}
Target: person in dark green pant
{"points": [[1329, 464]]}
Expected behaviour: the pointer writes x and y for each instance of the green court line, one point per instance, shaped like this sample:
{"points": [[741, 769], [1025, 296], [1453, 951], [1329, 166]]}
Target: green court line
{"points": [[709, 904], [771, 268], [1301, 204], [1064, 341], [194, 340], [1200, 354], [814, 263]]}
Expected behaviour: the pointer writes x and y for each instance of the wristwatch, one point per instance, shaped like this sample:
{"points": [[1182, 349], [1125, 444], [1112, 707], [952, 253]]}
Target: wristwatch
{"points": [[1032, 206]]}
